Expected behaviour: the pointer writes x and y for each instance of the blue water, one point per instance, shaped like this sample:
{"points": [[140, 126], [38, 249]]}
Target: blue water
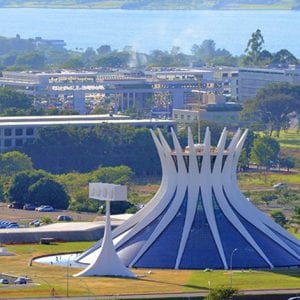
{"points": [[149, 30]]}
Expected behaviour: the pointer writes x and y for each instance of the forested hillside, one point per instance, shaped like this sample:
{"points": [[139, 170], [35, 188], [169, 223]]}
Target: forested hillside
{"points": [[156, 4]]}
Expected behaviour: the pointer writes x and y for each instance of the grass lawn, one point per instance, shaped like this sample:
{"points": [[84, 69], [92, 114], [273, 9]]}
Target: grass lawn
{"points": [[46, 277], [253, 180], [290, 139], [245, 280]]}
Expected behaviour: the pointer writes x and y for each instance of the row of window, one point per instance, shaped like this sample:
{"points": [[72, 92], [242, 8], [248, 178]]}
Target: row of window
{"points": [[8, 143], [18, 131], [187, 117]]}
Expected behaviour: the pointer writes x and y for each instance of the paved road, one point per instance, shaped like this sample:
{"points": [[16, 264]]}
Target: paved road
{"points": [[286, 293]]}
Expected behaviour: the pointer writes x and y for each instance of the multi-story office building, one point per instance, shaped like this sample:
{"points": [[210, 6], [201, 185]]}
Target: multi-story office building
{"points": [[250, 80]]}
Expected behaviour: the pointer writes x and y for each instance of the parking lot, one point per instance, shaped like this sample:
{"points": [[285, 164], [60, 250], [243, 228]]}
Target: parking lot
{"points": [[26, 216]]}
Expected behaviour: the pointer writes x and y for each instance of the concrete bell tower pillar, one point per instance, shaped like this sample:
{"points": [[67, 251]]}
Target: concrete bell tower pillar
{"points": [[107, 262]]}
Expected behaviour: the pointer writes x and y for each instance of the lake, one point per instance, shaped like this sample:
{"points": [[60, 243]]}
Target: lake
{"points": [[149, 30]]}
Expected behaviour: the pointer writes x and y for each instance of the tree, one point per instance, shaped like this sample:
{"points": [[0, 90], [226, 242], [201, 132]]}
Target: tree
{"points": [[221, 293], [284, 57], [104, 50], [272, 106], [74, 62], [286, 162], [46, 191], [10, 99], [279, 217], [295, 220], [14, 162], [254, 47], [19, 188], [208, 53], [32, 60], [265, 151]]}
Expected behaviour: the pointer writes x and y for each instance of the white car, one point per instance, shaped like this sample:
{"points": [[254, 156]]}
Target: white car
{"points": [[280, 185], [45, 208]]}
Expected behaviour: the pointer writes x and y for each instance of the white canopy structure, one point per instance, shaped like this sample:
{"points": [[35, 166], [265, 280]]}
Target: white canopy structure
{"points": [[199, 218]]}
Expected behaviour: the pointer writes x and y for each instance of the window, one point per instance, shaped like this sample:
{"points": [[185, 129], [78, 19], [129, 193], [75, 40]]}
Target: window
{"points": [[7, 143], [19, 142], [29, 131], [19, 131], [7, 132]]}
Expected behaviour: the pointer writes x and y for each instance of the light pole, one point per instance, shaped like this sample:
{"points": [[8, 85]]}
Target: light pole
{"points": [[68, 274], [231, 257]]}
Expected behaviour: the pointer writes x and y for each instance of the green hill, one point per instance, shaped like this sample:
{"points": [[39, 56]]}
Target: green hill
{"points": [[156, 4]]}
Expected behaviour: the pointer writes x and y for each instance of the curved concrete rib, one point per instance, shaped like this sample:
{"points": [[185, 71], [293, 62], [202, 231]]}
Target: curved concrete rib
{"points": [[174, 206], [238, 200], [193, 179], [206, 191]]}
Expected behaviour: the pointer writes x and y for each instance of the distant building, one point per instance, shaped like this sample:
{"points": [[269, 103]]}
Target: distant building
{"points": [[16, 131], [250, 80], [76, 90], [224, 117], [57, 44]]}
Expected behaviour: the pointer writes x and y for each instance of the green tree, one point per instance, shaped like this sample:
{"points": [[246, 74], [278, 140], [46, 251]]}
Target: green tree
{"points": [[265, 151], [284, 57], [116, 175], [19, 188], [221, 293], [47, 191], [74, 62], [32, 60], [14, 162], [279, 217], [103, 50], [295, 220], [254, 48], [272, 106], [10, 99], [286, 162]]}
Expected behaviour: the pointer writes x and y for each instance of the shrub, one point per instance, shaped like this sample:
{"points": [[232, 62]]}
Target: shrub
{"points": [[221, 293]]}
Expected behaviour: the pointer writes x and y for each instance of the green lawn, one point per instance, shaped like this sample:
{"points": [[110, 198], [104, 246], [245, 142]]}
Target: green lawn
{"points": [[244, 279], [253, 180], [290, 139], [47, 277]]}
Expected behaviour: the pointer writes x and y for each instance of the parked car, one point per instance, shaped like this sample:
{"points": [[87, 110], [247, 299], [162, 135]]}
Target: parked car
{"points": [[44, 208], [15, 205], [13, 225], [64, 218], [8, 224], [280, 185], [29, 206], [21, 280], [4, 281], [36, 222]]}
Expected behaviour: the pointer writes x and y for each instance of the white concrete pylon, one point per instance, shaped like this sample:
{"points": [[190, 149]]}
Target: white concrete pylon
{"points": [[107, 262]]}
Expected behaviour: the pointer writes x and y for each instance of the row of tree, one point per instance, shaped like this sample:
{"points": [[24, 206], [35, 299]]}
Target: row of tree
{"points": [[22, 184], [20, 54]]}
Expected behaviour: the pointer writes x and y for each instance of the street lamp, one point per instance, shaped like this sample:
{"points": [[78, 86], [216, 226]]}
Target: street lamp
{"points": [[231, 257], [68, 274]]}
